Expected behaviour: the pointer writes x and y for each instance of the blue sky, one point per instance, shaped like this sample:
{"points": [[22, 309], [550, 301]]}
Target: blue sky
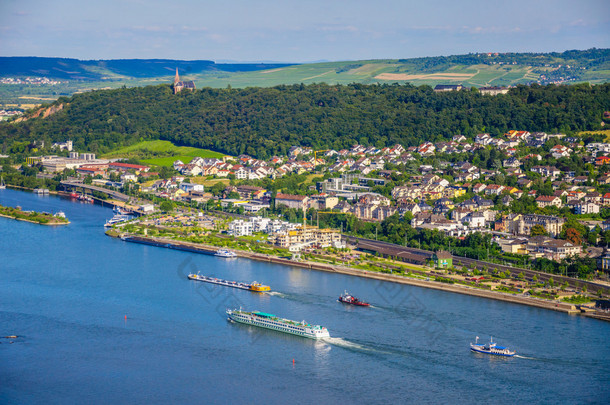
{"points": [[297, 31]]}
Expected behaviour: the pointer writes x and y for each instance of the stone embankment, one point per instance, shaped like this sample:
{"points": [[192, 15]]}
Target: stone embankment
{"points": [[459, 289]]}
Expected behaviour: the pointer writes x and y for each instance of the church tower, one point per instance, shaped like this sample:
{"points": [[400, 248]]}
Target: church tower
{"points": [[180, 85]]}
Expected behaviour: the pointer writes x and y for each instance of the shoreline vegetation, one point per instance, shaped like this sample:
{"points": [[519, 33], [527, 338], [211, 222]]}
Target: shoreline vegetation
{"points": [[41, 218], [565, 307]]}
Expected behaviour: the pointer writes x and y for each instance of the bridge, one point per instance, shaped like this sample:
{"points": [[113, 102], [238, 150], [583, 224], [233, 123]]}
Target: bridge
{"points": [[77, 184]]}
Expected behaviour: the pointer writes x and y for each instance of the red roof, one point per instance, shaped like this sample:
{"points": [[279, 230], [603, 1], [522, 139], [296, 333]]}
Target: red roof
{"points": [[290, 197], [128, 166]]}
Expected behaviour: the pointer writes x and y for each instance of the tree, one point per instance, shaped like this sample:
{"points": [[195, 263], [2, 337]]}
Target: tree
{"points": [[165, 172], [573, 236], [217, 189], [167, 206], [538, 230]]}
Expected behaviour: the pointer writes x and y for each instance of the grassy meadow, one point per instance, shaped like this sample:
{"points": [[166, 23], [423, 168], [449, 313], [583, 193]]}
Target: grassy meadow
{"points": [[161, 153]]}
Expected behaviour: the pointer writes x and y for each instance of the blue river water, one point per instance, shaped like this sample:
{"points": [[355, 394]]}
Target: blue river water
{"points": [[100, 320]]}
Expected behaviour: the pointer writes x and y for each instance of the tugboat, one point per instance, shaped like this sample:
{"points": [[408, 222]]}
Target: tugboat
{"points": [[346, 298], [491, 348]]}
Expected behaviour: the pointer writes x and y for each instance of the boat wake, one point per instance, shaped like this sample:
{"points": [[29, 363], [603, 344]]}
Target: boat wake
{"points": [[276, 294], [525, 357], [347, 344]]}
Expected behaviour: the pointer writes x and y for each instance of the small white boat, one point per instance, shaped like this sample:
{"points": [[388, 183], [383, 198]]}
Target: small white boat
{"points": [[224, 253], [491, 348], [2, 185]]}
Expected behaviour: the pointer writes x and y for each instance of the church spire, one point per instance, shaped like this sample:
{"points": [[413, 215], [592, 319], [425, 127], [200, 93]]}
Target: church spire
{"points": [[177, 79]]}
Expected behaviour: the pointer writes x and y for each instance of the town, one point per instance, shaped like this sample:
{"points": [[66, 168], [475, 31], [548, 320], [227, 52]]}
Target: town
{"points": [[537, 195]]}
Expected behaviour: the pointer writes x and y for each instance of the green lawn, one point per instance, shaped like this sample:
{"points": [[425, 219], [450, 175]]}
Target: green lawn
{"points": [[161, 153]]}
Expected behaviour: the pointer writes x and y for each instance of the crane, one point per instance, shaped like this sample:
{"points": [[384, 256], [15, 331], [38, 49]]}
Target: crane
{"points": [[315, 156]]}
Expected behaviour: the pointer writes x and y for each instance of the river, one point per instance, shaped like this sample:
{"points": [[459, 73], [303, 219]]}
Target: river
{"points": [[100, 320]]}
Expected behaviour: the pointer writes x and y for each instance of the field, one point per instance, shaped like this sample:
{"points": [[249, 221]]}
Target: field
{"points": [[208, 182], [368, 72], [161, 153], [381, 71]]}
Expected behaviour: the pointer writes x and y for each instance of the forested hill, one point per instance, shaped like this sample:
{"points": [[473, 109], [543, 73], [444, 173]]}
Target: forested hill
{"points": [[267, 121], [94, 70]]}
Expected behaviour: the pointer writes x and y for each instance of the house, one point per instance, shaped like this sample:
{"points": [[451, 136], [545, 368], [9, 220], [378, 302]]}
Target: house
{"points": [[594, 197], [459, 213], [323, 201], [546, 171], [511, 162], [475, 220], [408, 207], [482, 139], [241, 227], [188, 187], [478, 188], [190, 170], [522, 224], [603, 261], [519, 136], [604, 179], [493, 90], [602, 160], [554, 249], [292, 201], [448, 87], [586, 208], [250, 191], [559, 151], [524, 183], [548, 200], [129, 177], [506, 200], [442, 259], [494, 189]]}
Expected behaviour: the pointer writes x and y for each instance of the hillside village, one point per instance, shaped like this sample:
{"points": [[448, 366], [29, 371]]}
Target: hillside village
{"points": [[518, 187]]}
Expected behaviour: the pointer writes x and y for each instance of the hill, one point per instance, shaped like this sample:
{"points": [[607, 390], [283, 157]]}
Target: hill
{"points": [[266, 121], [472, 70], [115, 69]]}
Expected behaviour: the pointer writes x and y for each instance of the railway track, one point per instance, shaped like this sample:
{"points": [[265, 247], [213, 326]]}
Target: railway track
{"points": [[529, 274]]}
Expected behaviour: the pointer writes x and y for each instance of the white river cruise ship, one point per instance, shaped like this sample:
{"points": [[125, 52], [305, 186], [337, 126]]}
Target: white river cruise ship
{"points": [[270, 321]]}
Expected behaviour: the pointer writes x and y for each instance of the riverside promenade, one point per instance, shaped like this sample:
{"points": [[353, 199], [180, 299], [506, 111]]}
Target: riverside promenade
{"points": [[459, 289]]}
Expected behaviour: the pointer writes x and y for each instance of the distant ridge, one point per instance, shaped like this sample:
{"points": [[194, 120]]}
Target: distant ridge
{"points": [[95, 70]]}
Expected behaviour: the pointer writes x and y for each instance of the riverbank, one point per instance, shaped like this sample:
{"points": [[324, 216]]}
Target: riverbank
{"points": [[459, 289]]}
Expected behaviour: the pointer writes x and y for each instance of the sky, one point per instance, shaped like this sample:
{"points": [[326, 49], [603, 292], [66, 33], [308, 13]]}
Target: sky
{"points": [[297, 30]]}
